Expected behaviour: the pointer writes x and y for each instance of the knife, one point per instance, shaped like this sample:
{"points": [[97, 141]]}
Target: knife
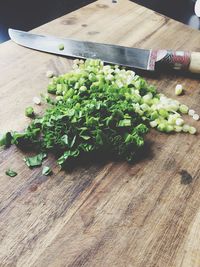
{"points": [[114, 54]]}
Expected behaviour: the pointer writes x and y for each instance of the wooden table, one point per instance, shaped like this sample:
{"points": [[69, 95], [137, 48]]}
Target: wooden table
{"points": [[104, 214]]}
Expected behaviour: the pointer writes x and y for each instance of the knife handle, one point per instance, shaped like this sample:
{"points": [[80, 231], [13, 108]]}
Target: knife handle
{"points": [[194, 65], [178, 60]]}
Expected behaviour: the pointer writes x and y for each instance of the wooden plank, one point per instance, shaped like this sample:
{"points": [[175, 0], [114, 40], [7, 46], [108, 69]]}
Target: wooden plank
{"points": [[102, 214]]}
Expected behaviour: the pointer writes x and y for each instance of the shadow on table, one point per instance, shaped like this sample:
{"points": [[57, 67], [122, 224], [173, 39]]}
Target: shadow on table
{"points": [[101, 158]]}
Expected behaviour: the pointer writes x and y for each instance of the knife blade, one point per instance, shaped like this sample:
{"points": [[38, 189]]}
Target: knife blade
{"points": [[127, 56], [114, 54]]}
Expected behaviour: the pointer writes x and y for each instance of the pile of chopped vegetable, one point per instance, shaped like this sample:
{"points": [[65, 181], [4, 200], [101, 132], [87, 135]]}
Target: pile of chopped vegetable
{"points": [[99, 108]]}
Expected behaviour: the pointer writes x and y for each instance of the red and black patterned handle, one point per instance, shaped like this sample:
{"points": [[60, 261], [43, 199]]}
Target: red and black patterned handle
{"points": [[178, 60]]}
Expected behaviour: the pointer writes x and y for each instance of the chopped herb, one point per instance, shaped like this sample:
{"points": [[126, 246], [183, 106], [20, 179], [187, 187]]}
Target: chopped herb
{"points": [[11, 173], [49, 74], [178, 89], [36, 100], [6, 139], [191, 112], [29, 112], [192, 130], [46, 170], [99, 108], [195, 117], [36, 160], [61, 47]]}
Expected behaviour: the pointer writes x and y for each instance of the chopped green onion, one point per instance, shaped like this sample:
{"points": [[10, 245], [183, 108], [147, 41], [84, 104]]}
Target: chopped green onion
{"points": [[154, 115], [46, 170], [61, 47], [11, 173], [29, 112], [186, 128], [192, 130], [36, 100], [144, 107], [191, 112], [36, 160], [99, 107], [83, 89], [183, 109], [178, 129], [179, 122], [169, 128], [162, 127], [195, 117], [6, 139], [153, 124], [163, 113], [172, 118], [49, 74], [178, 89]]}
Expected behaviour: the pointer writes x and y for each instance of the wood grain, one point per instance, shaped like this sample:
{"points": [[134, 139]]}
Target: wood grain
{"points": [[145, 214]]}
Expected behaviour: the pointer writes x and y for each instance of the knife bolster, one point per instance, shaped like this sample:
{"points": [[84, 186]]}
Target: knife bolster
{"points": [[195, 62], [178, 60]]}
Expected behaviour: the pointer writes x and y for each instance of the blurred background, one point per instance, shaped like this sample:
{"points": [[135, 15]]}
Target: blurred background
{"points": [[181, 10], [27, 14]]}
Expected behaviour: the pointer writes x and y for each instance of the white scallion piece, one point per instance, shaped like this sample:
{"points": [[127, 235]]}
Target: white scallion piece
{"points": [[49, 74], [109, 77], [183, 109], [179, 122], [192, 130], [153, 124], [191, 112], [36, 100], [195, 117], [178, 129], [178, 89], [186, 128], [76, 61]]}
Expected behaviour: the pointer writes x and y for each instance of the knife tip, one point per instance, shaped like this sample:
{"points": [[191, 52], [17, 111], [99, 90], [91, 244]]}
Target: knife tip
{"points": [[10, 31], [13, 34]]}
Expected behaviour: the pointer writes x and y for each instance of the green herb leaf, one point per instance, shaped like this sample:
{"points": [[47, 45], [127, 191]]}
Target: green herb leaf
{"points": [[11, 173], [46, 170], [65, 139], [29, 112], [36, 160], [85, 137], [6, 139]]}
